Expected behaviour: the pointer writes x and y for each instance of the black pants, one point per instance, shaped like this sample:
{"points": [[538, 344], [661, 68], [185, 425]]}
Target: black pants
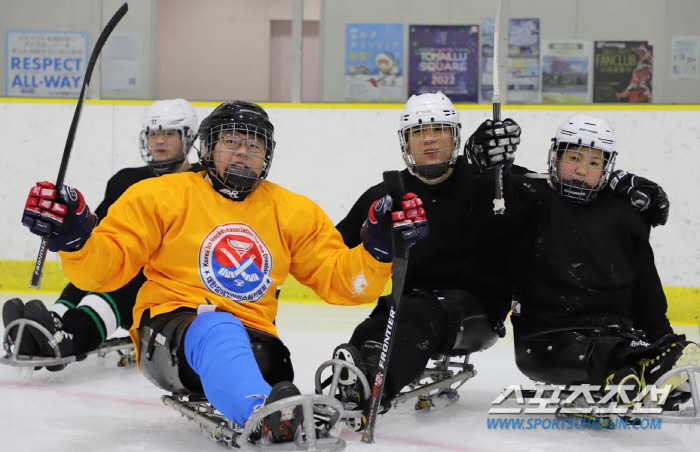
{"points": [[426, 325], [86, 333]]}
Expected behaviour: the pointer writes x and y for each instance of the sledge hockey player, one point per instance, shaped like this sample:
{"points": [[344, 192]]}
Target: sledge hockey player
{"points": [[451, 275], [86, 319], [457, 291], [588, 302], [216, 248]]}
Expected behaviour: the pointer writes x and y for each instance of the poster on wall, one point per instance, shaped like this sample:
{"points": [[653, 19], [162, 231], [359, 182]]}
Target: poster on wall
{"points": [[523, 60], [444, 58], [45, 63], [121, 62], [685, 53], [622, 71], [566, 67], [374, 62], [487, 25]]}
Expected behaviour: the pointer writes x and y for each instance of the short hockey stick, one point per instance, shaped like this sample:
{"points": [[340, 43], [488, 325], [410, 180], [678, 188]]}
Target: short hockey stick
{"points": [[395, 189], [499, 204], [41, 258]]}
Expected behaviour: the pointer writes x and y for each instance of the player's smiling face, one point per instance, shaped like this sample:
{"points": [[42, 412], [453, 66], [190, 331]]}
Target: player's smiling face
{"points": [[430, 143], [239, 150], [165, 145]]}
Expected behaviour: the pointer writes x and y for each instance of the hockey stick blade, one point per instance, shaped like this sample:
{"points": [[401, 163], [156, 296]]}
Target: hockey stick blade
{"points": [[41, 258], [395, 189]]}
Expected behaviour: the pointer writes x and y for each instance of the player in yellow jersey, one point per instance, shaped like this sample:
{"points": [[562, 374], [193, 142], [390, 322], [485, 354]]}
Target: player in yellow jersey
{"points": [[216, 247]]}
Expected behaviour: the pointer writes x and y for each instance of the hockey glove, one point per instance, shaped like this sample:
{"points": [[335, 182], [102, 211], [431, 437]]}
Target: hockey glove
{"points": [[68, 221], [644, 195], [493, 143], [410, 221]]}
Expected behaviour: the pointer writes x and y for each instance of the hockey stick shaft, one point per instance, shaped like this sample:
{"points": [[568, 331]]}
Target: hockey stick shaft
{"points": [[499, 204], [41, 258], [395, 189]]}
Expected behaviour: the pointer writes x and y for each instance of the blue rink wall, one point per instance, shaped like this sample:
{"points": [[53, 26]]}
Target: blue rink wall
{"points": [[331, 153]]}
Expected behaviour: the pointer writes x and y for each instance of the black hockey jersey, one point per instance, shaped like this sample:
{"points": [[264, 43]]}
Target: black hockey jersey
{"points": [[574, 264], [453, 255]]}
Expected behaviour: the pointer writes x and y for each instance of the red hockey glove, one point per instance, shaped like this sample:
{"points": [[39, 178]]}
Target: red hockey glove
{"points": [[410, 220], [67, 220]]}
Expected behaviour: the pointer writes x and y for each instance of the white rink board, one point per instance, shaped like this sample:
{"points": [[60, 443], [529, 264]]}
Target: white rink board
{"points": [[333, 154]]}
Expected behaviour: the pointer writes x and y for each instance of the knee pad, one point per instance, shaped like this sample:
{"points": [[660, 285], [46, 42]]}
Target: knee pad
{"points": [[555, 358], [476, 334], [162, 359], [272, 356], [469, 327], [475, 331]]}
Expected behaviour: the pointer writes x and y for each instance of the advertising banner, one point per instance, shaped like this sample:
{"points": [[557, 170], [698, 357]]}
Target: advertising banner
{"points": [[45, 63]]}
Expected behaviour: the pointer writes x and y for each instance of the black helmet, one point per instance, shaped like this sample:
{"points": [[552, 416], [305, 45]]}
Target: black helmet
{"points": [[251, 121]]}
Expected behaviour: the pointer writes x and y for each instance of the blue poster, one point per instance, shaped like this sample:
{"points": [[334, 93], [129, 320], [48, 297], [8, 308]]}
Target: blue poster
{"points": [[444, 58], [487, 26], [523, 61], [374, 62], [45, 63]]}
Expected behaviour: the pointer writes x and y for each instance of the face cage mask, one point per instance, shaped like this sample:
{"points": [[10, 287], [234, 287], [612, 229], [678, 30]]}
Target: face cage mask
{"points": [[437, 141], [578, 191], [172, 165], [245, 154]]}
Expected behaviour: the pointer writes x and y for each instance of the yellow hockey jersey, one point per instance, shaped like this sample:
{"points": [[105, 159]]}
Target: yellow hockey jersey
{"points": [[198, 247]]}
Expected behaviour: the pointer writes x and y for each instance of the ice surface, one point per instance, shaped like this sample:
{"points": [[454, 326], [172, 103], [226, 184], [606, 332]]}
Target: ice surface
{"points": [[95, 406]]}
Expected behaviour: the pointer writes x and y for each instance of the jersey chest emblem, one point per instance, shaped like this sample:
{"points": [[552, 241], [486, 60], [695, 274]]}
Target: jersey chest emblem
{"points": [[235, 262]]}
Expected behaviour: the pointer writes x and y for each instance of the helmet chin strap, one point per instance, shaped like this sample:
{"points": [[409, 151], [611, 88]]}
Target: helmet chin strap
{"points": [[578, 191], [241, 179], [433, 173], [166, 166]]}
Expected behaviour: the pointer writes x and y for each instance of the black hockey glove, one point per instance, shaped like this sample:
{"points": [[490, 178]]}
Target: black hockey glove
{"points": [[644, 195], [493, 143]]}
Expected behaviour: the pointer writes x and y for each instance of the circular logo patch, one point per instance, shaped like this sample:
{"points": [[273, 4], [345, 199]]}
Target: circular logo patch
{"points": [[234, 262]]}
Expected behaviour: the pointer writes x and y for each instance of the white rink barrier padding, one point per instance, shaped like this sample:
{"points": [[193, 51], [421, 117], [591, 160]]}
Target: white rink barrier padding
{"points": [[332, 153]]}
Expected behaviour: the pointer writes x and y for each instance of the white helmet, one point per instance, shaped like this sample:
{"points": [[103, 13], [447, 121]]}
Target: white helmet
{"points": [[171, 114], [429, 110], [582, 130]]}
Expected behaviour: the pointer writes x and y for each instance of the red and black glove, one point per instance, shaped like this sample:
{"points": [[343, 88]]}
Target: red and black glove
{"points": [[410, 220], [66, 218]]}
